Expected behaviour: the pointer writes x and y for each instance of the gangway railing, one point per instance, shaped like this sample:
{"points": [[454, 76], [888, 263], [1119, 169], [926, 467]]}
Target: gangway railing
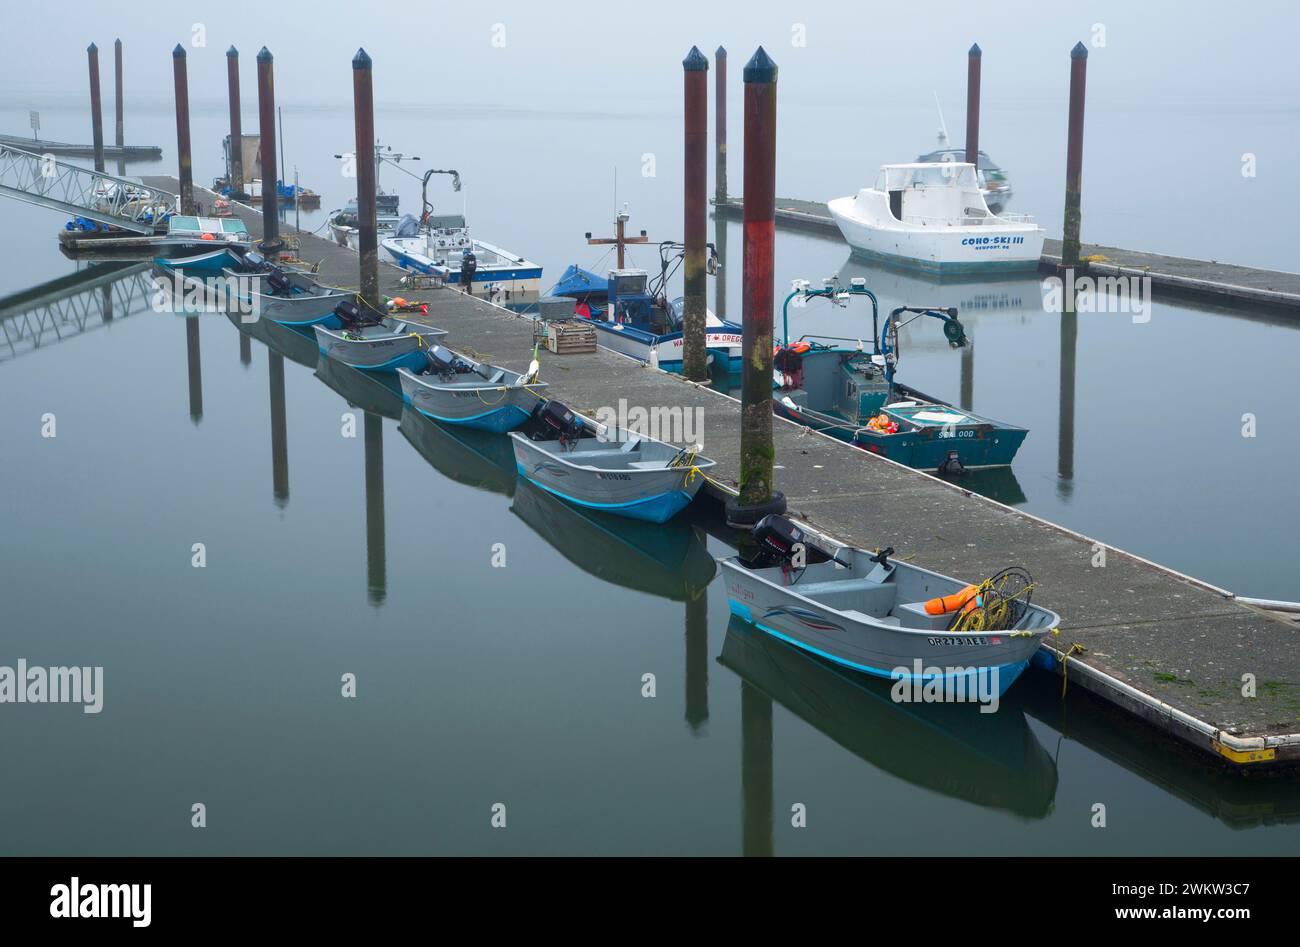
{"points": [[45, 181]]}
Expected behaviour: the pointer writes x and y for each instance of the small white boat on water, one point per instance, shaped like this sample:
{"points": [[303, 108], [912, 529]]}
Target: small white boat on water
{"points": [[442, 247], [932, 216]]}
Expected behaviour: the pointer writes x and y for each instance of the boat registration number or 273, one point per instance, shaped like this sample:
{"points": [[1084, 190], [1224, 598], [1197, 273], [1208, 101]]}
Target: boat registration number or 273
{"points": [[949, 641], [944, 432]]}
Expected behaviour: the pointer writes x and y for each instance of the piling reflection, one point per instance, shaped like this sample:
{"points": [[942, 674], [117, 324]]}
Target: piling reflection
{"points": [[279, 432], [245, 349], [1065, 425], [992, 760], [755, 771], [697, 662], [194, 367], [376, 545]]}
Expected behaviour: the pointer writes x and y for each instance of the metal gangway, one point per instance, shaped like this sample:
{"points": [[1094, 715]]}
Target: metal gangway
{"points": [[72, 305], [82, 192]]}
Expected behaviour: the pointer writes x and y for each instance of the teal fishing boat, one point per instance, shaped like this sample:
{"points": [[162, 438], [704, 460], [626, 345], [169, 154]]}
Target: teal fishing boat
{"points": [[852, 394]]}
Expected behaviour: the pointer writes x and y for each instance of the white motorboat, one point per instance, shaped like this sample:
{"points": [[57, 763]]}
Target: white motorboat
{"points": [[438, 247], [932, 216], [345, 225]]}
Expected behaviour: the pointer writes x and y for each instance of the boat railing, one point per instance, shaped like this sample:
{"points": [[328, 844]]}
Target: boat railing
{"points": [[990, 220]]}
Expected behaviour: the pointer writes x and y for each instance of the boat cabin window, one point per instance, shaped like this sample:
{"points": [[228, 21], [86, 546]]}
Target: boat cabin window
{"points": [[946, 174], [627, 284]]}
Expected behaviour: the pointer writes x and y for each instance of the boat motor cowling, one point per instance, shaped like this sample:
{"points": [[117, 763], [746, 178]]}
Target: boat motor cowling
{"points": [[559, 421], [356, 314], [446, 362], [278, 282], [781, 542]]}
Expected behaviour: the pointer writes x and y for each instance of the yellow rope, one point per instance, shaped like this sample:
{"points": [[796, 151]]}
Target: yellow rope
{"points": [[1075, 648]]}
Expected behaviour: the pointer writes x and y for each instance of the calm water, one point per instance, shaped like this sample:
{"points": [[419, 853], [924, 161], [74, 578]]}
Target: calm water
{"points": [[372, 555]]}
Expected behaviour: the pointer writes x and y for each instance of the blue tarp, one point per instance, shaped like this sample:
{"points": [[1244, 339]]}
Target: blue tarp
{"points": [[580, 284]]}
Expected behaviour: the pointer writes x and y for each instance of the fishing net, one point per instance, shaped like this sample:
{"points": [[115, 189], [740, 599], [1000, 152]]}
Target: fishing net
{"points": [[1001, 603]]}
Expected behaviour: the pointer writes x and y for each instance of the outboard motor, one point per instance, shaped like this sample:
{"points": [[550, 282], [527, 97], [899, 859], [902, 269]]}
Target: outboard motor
{"points": [[789, 362], [446, 362], [279, 282], [557, 422], [355, 314], [778, 540]]}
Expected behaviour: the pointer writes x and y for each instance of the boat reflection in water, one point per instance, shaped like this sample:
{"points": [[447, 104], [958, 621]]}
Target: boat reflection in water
{"points": [[293, 344], [992, 760], [475, 458], [372, 392], [1002, 300], [668, 560]]}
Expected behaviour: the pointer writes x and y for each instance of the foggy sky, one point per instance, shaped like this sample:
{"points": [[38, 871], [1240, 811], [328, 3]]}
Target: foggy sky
{"points": [[612, 57]]}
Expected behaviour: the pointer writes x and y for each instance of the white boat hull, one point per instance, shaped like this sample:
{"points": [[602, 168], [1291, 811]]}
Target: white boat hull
{"points": [[496, 267], [954, 249]]}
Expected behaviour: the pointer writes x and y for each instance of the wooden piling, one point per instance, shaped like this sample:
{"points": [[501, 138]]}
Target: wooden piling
{"points": [[757, 454], [271, 243], [183, 129], [1074, 157], [973, 59], [96, 112], [119, 127], [363, 112], [695, 69], [235, 169], [720, 129]]}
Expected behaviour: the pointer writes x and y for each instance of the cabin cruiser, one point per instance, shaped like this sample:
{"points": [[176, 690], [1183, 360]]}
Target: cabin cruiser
{"points": [[932, 216]]}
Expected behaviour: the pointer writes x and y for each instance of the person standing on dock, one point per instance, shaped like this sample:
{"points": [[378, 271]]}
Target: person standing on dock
{"points": [[468, 264]]}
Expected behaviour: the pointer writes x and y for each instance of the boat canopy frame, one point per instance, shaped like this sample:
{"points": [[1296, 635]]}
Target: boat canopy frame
{"points": [[884, 338]]}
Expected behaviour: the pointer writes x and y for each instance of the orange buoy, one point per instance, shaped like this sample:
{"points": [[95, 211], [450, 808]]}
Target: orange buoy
{"points": [[950, 603]]}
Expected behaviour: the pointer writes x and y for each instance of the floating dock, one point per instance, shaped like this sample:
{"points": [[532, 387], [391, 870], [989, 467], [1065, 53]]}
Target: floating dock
{"points": [[1222, 283], [63, 149], [1166, 647]]}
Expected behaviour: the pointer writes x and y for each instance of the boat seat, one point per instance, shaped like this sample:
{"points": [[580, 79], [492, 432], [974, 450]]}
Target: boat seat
{"points": [[860, 595], [918, 617], [584, 455], [501, 373], [813, 589], [649, 464], [630, 445], [863, 616]]}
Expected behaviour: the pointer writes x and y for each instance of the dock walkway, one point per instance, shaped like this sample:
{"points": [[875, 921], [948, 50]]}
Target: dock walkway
{"points": [[1223, 283], [1169, 648]]}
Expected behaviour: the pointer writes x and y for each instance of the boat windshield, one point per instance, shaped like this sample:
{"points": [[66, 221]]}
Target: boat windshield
{"points": [[942, 174], [623, 283]]}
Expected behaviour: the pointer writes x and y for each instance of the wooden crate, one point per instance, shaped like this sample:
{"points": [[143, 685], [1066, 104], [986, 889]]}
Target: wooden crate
{"points": [[570, 337]]}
